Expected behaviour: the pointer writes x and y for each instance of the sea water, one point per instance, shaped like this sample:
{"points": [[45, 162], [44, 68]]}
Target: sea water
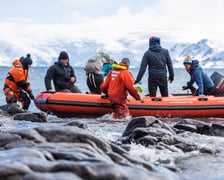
{"points": [[111, 130]]}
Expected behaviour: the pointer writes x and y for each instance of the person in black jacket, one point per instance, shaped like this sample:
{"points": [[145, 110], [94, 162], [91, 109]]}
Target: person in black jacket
{"points": [[157, 59], [62, 74]]}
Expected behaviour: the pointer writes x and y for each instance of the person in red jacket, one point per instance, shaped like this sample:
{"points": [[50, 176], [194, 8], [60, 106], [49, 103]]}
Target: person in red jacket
{"points": [[117, 85], [16, 85]]}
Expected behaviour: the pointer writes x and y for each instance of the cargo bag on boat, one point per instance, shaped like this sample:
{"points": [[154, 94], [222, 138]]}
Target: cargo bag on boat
{"points": [[218, 80]]}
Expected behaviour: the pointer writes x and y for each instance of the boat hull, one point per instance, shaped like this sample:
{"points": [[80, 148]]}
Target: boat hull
{"points": [[74, 104]]}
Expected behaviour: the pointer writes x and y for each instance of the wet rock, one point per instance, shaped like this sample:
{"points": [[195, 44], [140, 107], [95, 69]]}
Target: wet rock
{"points": [[208, 150], [139, 133], [147, 140], [78, 124], [13, 170], [117, 158], [207, 167], [19, 143], [151, 132], [193, 126], [71, 134], [186, 127], [163, 146], [4, 113], [39, 165], [102, 170], [187, 147], [33, 117], [126, 147], [30, 134], [17, 154], [144, 121], [217, 130], [6, 138], [11, 109], [51, 176], [55, 152], [118, 149]]}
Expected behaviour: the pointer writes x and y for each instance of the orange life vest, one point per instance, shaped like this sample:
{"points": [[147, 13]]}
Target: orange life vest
{"points": [[118, 83], [15, 75]]}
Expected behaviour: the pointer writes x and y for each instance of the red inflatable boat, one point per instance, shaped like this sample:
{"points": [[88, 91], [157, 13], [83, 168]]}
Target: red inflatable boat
{"points": [[72, 104]]}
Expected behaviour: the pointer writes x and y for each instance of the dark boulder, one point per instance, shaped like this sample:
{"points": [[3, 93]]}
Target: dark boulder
{"points": [[11, 109], [30, 116]]}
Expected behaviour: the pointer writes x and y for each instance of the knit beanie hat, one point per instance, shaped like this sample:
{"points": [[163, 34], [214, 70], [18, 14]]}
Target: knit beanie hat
{"points": [[126, 61], [187, 60], [27, 60], [63, 55]]}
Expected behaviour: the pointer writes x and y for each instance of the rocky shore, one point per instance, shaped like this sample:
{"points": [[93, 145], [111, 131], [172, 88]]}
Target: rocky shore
{"points": [[72, 151]]}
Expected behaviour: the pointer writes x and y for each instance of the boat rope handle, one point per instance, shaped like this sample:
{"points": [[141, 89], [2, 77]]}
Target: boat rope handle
{"points": [[156, 99], [203, 99]]}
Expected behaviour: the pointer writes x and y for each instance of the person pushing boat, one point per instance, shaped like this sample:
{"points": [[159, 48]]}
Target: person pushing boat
{"points": [[117, 85]]}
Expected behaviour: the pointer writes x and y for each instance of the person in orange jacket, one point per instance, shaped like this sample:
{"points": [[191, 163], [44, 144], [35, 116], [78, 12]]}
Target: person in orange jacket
{"points": [[117, 85], [17, 87]]}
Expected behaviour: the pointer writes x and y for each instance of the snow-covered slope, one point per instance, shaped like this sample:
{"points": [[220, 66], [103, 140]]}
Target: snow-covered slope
{"points": [[206, 51]]}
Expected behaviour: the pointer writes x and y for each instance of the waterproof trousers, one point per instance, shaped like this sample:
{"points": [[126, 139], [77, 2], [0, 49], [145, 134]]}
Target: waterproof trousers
{"points": [[12, 97], [93, 82], [158, 81], [120, 111]]}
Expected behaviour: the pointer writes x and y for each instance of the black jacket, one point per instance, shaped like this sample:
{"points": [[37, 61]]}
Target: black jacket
{"points": [[61, 76], [156, 58]]}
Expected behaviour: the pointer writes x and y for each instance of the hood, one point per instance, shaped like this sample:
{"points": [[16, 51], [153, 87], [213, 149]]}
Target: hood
{"points": [[195, 64], [17, 64], [63, 55], [154, 43], [155, 48]]}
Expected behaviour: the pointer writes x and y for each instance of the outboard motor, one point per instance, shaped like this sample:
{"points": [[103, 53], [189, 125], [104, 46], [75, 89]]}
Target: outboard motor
{"points": [[218, 80]]}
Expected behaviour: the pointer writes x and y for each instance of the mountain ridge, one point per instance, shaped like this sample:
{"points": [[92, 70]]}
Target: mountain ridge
{"points": [[44, 54]]}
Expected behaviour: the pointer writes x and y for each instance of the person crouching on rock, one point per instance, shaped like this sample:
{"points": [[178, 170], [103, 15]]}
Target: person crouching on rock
{"points": [[117, 85], [17, 87]]}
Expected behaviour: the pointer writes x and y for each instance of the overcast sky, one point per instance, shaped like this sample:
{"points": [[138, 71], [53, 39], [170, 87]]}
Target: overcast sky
{"points": [[183, 20]]}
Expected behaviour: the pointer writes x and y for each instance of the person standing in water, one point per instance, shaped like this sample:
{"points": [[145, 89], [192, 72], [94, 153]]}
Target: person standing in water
{"points": [[117, 85], [157, 59]]}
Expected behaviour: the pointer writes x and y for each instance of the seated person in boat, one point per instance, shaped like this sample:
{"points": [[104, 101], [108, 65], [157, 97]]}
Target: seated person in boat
{"points": [[117, 85], [93, 70], [63, 75], [204, 83]]}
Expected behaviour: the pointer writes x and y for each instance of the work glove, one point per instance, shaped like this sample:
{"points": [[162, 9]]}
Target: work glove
{"points": [[185, 87], [31, 94], [171, 79], [188, 86], [192, 88]]}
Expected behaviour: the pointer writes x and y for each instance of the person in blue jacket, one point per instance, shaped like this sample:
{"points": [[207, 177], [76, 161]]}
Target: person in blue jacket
{"points": [[204, 83], [107, 67], [158, 60]]}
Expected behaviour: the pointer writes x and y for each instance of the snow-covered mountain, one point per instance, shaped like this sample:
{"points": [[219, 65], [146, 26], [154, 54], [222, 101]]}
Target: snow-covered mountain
{"points": [[206, 51]]}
